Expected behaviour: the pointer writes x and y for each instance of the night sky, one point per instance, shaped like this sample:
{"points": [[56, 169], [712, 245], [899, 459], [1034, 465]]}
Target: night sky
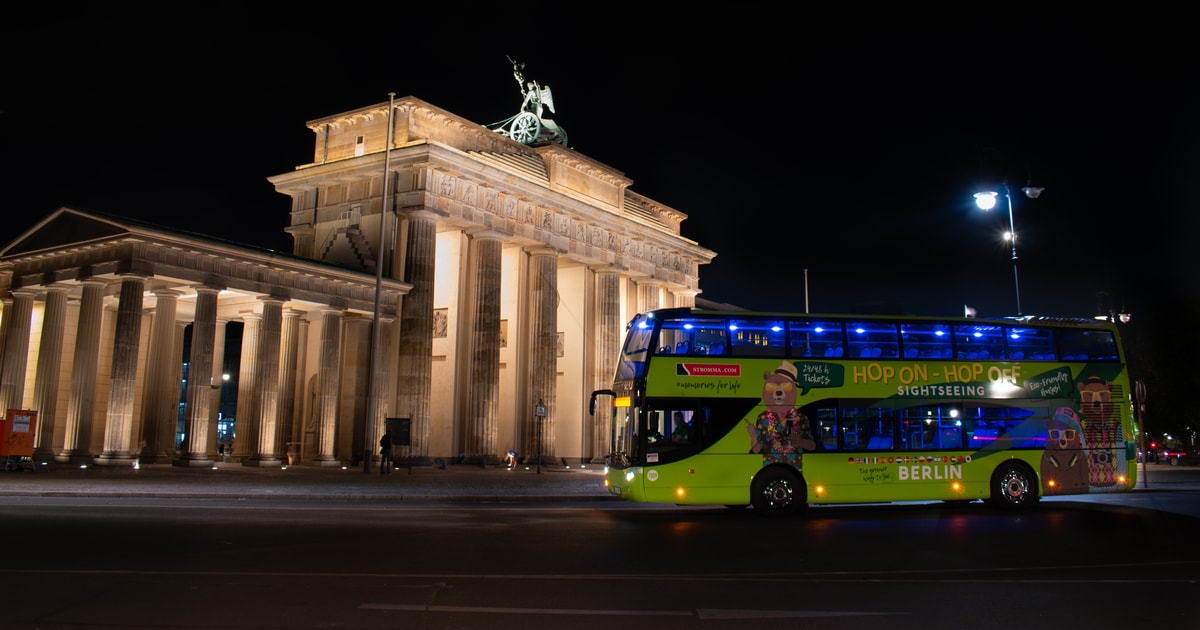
{"points": [[847, 145]]}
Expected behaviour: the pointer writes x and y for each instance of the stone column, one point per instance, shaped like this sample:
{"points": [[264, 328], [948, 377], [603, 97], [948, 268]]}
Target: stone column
{"points": [[649, 295], [379, 373], [194, 452], [289, 345], [685, 298], [303, 239], [119, 420], [416, 331], [218, 380], [267, 383], [245, 427], [479, 433], [327, 386], [301, 411], [160, 408], [45, 385], [77, 432], [543, 352], [6, 309], [16, 349], [607, 352]]}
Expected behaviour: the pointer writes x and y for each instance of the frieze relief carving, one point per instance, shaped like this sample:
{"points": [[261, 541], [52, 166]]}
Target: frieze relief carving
{"points": [[446, 186], [527, 210], [510, 207], [469, 194], [489, 199]]}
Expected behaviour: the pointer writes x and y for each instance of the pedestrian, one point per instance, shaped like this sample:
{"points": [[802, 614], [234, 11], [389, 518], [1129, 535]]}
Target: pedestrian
{"points": [[510, 459], [385, 453], [682, 434]]}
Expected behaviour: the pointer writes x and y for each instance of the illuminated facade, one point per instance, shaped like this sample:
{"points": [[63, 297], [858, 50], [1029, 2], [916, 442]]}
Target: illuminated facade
{"points": [[508, 274]]}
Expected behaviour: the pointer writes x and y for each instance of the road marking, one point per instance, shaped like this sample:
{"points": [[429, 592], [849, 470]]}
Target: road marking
{"points": [[700, 613]]}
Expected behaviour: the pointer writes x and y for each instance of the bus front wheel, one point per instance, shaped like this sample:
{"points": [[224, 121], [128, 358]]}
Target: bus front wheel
{"points": [[777, 491], [1014, 486]]}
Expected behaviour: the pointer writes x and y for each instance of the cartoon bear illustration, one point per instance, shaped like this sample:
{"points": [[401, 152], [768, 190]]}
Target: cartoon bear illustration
{"points": [[1063, 468], [1101, 431], [781, 433]]}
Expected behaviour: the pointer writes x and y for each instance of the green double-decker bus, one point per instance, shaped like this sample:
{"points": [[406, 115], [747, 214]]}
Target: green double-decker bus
{"points": [[782, 411]]}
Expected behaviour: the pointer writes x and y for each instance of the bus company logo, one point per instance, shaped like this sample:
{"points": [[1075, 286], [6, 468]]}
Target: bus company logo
{"points": [[708, 369]]}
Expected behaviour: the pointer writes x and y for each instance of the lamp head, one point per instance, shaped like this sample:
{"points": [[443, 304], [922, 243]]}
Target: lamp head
{"points": [[1032, 191], [985, 200]]}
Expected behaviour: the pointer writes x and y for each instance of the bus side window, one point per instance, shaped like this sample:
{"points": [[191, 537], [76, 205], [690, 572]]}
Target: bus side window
{"points": [[826, 427], [950, 437], [853, 435], [881, 438]]}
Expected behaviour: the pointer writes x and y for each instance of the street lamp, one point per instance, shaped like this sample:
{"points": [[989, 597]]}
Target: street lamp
{"points": [[986, 201], [1110, 315]]}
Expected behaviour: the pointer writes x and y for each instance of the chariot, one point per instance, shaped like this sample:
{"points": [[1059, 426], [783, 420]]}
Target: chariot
{"points": [[529, 125]]}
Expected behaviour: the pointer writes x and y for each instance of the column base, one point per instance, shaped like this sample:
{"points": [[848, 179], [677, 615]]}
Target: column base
{"points": [[263, 462], [193, 463], [74, 459], [115, 461]]}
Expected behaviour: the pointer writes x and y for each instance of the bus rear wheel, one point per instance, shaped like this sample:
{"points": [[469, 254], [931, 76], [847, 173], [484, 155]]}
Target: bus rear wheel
{"points": [[777, 491], [1014, 486]]}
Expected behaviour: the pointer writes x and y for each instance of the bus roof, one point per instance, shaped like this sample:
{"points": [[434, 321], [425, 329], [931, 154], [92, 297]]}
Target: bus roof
{"points": [[663, 313]]}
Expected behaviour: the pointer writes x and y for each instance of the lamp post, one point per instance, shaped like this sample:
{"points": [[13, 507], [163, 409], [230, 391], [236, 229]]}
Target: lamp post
{"points": [[986, 201], [1110, 315]]}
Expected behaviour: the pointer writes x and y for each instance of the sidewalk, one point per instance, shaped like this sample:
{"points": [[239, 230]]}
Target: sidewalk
{"points": [[421, 483], [233, 480]]}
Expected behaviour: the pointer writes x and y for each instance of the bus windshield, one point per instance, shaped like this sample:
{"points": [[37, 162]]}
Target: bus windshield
{"points": [[632, 362]]}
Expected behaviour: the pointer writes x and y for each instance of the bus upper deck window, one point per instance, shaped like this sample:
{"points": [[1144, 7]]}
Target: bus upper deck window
{"points": [[757, 337]]}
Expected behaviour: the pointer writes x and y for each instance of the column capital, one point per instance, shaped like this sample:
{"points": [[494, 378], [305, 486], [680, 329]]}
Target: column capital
{"points": [[607, 268], [29, 292], [206, 288], [300, 230], [542, 249], [424, 213], [58, 287], [488, 233]]}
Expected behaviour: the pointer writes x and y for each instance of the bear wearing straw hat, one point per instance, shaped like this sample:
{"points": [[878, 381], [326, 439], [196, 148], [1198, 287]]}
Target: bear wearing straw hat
{"points": [[781, 433]]}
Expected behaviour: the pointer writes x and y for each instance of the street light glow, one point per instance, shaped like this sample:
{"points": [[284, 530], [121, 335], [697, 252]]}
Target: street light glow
{"points": [[985, 200]]}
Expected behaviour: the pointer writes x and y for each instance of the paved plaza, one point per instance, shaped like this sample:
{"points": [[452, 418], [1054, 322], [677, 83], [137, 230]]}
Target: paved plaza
{"points": [[229, 479]]}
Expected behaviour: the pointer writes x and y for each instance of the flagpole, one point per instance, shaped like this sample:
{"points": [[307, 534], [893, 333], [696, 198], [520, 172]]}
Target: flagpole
{"points": [[373, 389], [805, 290]]}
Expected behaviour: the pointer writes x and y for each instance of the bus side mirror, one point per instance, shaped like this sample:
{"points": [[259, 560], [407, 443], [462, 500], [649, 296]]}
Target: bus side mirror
{"points": [[596, 394]]}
